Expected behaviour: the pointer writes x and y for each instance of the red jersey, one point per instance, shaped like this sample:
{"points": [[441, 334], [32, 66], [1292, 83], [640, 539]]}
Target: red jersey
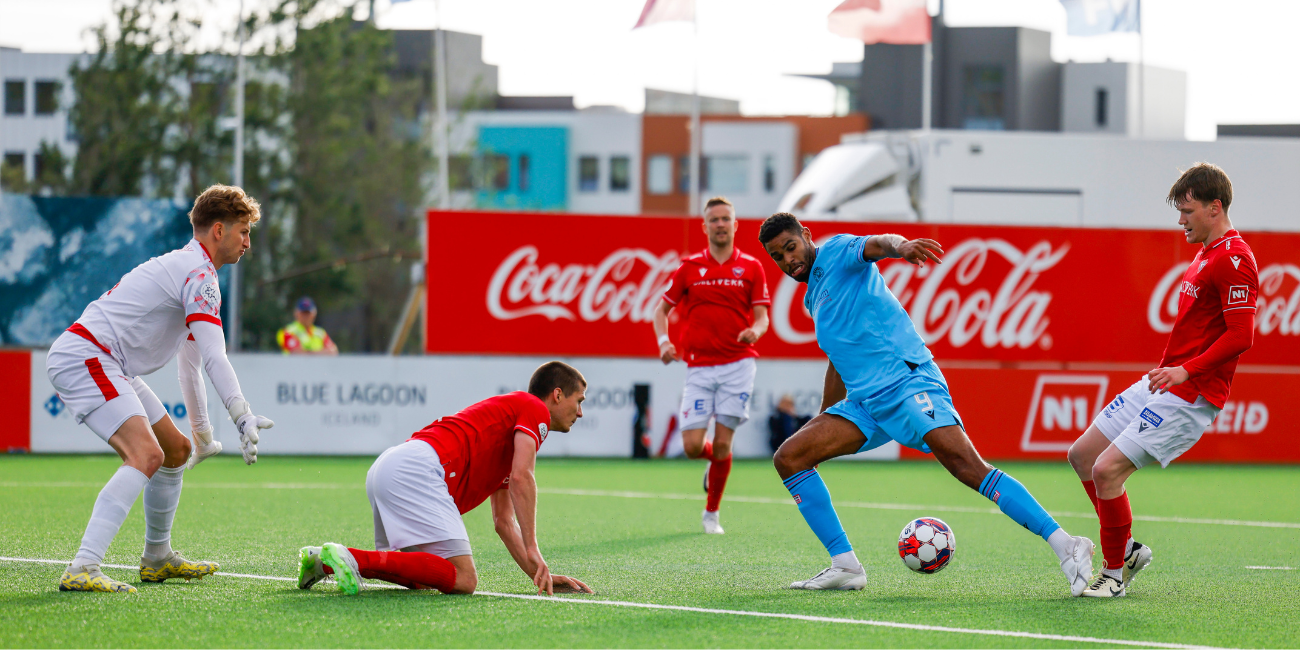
{"points": [[477, 445], [719, 302], [1222, 279]]}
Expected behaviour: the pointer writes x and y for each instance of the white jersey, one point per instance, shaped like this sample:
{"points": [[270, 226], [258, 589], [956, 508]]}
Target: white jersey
{"points": [[143, 321]]}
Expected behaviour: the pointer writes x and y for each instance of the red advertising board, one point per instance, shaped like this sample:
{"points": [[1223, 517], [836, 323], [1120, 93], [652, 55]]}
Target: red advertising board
{"points": [[1035, 328]]}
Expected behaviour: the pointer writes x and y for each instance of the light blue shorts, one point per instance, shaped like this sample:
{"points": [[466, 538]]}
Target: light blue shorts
{"points": [[904, 412]]}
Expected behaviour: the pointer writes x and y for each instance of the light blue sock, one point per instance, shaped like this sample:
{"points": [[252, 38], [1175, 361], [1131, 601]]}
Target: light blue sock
{"points": [[1016, 502], [814, 502]]}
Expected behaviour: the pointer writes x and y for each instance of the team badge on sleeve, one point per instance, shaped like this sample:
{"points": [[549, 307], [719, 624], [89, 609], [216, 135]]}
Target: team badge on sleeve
{"points": [[542, 431], [211, 294]]}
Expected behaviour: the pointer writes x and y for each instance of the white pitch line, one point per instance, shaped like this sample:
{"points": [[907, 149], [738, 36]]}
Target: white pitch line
{"points": [[1271, 568], [695, 497], [736, 612]]}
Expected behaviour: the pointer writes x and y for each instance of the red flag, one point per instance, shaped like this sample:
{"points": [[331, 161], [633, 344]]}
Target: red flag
{"points": [[901, 22], [663, 11]]}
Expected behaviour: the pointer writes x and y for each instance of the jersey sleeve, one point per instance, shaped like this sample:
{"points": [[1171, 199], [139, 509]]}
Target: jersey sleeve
{"points": [[1237, 280], [853, 252], [533, 419], [759, 294], [201, 296], [676, 286]]}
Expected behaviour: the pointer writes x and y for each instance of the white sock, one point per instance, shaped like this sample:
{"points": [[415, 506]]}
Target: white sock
{"points": [[111, 508], [1062, 544], [1117, 574], [160, 498], [1128, 546], [848, 561]]}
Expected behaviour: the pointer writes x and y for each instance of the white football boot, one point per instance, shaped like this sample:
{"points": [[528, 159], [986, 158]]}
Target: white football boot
{"points": [[1078, 567], [834, 578], [711, 525], [1137, 559], [1105, 587]]}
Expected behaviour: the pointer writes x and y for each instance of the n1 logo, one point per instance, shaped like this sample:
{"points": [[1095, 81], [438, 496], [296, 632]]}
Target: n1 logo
{"points": [[1061, 410]]}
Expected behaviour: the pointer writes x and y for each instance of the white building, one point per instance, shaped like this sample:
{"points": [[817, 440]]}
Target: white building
{"points": [[36, 94]]}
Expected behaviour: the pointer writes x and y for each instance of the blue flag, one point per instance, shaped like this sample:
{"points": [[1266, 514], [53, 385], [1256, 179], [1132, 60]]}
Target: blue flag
{"points": [[1094, 17]]}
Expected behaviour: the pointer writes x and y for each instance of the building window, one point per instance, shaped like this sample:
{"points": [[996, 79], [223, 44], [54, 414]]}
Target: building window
{"points": [[588, 174], [1100, 112], [47, 97], [13, 171], [659, 175], [496, 172], [769, 173], [523, 172], [684, 175], [727, 174], [15, 97], [620, 173], [460, 172], [982, 98]]}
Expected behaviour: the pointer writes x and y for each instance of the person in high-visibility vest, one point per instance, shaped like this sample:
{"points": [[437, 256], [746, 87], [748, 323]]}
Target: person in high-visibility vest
{"points": [[302, 336]]}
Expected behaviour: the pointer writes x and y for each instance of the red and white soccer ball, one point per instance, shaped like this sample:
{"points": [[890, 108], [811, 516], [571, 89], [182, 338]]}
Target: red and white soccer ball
{"points": [[926, 545]]}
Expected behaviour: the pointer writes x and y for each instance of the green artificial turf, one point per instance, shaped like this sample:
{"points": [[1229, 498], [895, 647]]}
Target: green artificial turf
{"points": [[598, 521]]}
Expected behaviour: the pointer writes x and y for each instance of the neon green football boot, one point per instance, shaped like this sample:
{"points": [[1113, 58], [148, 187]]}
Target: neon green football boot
{"points": [[346, 572], [310, 568]]}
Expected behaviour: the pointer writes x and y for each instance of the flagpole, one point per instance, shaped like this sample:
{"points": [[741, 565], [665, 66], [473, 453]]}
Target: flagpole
{"points": [[695, 115], [440, 122], [233, 332], [1142, 74]]}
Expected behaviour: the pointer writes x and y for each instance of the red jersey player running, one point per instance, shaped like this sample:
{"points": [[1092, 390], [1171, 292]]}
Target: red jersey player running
{"points": [[1162, 415], [166, 307], [719, 287], [419, 489]]}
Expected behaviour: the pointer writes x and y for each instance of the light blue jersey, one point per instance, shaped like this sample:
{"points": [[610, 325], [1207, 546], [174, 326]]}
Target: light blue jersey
{"points": [[860, 325], [894, 389]]}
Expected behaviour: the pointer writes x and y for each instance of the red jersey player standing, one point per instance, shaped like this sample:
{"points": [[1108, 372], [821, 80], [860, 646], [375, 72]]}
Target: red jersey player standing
{"points": [[419, 489], [720, 288], [1162, 415]]}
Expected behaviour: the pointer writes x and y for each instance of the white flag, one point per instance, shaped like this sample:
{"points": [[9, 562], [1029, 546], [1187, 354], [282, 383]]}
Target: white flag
{"points": [[1094, 17], [663, 11]]}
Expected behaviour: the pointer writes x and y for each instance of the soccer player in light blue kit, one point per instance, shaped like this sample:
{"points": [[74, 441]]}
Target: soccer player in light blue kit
{"points": [[882, 384]]}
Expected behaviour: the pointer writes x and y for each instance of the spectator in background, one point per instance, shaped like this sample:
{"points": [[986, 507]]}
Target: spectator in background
{"points": [[784, 422], [302, 336]]}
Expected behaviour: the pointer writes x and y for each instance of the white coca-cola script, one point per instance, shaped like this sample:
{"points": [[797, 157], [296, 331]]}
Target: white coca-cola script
{"points": [[945, 305], [1277, 306], [626, 284]]}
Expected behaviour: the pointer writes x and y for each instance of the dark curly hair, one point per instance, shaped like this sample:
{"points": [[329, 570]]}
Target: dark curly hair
{"points": [[777, 224]]}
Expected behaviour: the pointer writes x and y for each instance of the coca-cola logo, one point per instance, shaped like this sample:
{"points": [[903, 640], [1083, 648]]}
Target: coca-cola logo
{"points": [[626, 284], [1277, 307], [958, 301]]}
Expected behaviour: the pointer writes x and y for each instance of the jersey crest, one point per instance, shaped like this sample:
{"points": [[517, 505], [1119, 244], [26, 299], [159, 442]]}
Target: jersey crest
{"points": [[542, 431]]}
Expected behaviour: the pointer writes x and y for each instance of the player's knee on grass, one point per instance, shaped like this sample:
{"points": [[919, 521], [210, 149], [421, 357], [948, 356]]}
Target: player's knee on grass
{"points": [[466, 576]]}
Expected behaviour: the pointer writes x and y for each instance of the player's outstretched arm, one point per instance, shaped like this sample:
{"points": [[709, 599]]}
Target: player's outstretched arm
{"points": [[514, 512], [212, 345], [833, 389], [916, 251], [189, 363]]}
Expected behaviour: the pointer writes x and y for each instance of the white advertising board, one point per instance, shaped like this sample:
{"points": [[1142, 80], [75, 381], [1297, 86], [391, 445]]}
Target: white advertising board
{"points": [[363, 404]]}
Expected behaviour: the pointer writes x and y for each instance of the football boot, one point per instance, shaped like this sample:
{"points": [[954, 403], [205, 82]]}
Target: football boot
{"points": [[1138, 557], [88, 577], [310, 568], [174, 566], [346, 571], [834, 578]]}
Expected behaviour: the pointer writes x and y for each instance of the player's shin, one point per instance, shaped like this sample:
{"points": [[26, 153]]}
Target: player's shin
{"points": [[719, 470], [161, 496], [1116, 517], [111, 508], [411, 570], [1091, 489], [1017, 503], [814, 502]]}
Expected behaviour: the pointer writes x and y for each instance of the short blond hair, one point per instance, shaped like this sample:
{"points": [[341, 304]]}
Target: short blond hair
{"points": [[719, 200], [225, 203]]}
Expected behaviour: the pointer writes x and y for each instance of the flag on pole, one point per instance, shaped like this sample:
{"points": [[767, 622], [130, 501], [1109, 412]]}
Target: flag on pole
{"points": [[664, 11], [1094, 17], [901, 22]]}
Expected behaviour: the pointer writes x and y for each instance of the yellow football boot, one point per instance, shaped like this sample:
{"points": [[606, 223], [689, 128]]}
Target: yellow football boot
{"points": [[90, 578], [174, 566]]}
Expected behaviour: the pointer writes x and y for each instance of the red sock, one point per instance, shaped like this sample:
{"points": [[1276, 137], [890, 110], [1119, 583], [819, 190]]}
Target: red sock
{"points": [[1091, 489], [719, 470], [707, 453], [411, 570], [1116, 524]]}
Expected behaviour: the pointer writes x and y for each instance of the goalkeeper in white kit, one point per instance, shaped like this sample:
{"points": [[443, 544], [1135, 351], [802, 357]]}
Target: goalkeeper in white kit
{"points": [[166, 307]]}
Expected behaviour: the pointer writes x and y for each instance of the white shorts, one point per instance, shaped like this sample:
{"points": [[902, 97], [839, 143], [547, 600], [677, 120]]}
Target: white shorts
{"points": [[1148, 426], [722, 390], [408, 494], [91, 384]]}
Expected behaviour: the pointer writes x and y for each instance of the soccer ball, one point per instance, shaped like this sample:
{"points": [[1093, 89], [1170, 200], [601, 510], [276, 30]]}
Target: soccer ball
{"points": [[926, 545]]}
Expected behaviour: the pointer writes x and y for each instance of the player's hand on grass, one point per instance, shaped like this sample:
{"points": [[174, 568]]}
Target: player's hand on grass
{"points": [[248, 425], [747, 335], [541, 573], [920, 251], [567, 585], [1162, 379], [668, 352]]}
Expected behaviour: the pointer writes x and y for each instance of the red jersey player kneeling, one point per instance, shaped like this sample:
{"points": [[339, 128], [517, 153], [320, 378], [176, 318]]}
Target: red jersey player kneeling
{"points": [[1164, 413], [420, 488]]}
